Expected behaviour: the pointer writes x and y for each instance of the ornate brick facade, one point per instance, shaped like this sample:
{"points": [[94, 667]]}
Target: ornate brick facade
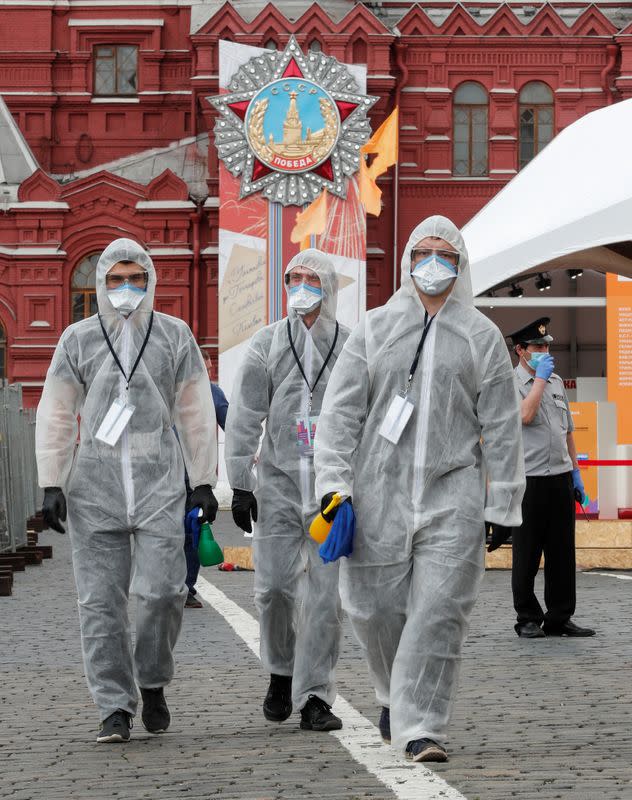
{"points": [[89, 189]]}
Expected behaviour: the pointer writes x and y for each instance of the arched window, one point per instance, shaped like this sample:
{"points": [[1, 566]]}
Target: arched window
{"points": [[359, 52], [536, 119], [3, 352], [315, 46], [470, 130], [270, 45], [83, 299]]}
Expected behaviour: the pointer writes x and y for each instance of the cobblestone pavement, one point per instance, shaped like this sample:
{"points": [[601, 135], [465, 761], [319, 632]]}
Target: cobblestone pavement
{"points": [[541, 719]]}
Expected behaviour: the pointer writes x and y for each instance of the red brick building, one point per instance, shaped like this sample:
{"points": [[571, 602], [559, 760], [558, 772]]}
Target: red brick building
{"points": [[107, 133]]}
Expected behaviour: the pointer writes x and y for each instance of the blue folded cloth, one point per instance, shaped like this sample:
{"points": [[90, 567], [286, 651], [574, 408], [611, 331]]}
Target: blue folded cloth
{"points": [[192, 526], [339, 542]]}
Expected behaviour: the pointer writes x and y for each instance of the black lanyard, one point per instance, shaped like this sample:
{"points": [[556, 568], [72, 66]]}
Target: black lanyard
{"points": [[300, 366], [140, 354], [420, 347]]}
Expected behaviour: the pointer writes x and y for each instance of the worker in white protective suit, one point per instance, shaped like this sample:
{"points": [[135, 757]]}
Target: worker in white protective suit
{"points": [[420, 426], [130, 374], [281, 383]]}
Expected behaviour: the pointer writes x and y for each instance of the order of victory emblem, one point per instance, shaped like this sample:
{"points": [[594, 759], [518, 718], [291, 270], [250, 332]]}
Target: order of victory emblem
{"points": [[292, 125]]}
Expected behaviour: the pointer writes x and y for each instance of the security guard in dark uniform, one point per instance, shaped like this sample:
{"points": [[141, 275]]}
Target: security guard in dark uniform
{"points": [[553, 484]]}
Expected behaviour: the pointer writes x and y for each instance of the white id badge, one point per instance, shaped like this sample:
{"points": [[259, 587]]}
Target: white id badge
{"points": [[115, 422], [396, 418]]}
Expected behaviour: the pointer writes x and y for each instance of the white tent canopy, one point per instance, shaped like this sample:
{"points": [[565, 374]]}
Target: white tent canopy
{"points": [[569, 208]]}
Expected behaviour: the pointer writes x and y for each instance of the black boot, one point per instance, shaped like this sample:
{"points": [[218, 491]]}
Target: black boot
{"points": [[316, 716], [277, 705], [385, 724], [155, 716]]}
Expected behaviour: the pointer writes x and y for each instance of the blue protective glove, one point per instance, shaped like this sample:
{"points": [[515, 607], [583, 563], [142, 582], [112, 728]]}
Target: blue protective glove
{"points": [[192, 525], [544, 369], [578, 486]]}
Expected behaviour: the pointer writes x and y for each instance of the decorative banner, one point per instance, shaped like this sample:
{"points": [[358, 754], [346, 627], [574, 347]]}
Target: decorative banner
{"points": [[242, 296], [619, 351], [289, 126]]}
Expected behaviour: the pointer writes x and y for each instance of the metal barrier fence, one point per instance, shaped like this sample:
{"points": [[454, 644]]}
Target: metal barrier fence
{"points": [[19, 494]]}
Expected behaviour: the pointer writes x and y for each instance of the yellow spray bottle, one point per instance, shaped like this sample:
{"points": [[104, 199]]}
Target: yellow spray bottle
{"points": [[320, 527]]}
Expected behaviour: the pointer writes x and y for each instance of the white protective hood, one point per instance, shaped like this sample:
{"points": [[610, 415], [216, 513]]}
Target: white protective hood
{"points": [[442, 228], [124, 250], [570, 207], [323, 266]]}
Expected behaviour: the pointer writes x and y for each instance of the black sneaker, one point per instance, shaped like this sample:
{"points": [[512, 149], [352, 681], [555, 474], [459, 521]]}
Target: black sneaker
{"points": [[155, 716], [116, 727], [385, 724], [316, 716], [425, 750], [277, 705], [192, 601]]}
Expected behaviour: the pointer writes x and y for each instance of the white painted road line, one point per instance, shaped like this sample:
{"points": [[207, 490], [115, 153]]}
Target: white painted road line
{"points": [[610, 575], [359, 736]]}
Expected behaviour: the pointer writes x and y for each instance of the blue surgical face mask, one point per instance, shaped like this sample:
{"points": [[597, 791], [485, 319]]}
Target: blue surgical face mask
{"points": [[304, 298], [535, 359]]}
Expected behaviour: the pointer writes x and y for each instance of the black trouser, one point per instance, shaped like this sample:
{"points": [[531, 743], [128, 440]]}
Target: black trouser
{"points": [[548, 526]]}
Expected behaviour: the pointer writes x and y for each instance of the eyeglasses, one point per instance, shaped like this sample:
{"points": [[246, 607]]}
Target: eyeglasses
{"points": [[136, 279], [296, 278], [422, 254]]}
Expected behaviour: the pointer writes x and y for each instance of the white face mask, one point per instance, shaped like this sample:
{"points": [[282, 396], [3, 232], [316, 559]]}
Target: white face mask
{"points": [[434, 275], [304, 298], [126, 298]]}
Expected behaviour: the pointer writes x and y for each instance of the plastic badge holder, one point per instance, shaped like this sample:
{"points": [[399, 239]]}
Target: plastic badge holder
{"points": [[305, 435], [115, 422], [396, 418]]}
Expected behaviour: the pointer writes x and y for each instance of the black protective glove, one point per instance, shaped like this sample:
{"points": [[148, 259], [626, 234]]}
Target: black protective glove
{"points": [[244, 506], [54, 508], [499, 535], [325, 502], [203, 497]]}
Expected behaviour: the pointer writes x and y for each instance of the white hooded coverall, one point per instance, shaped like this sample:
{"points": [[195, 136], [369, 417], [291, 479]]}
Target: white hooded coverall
{"points": [[133, 491], [420, 504], [299, 610]]}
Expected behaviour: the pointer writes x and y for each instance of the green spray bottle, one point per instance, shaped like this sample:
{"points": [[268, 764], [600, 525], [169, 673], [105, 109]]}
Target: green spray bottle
{"points": [[209, 552]]}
